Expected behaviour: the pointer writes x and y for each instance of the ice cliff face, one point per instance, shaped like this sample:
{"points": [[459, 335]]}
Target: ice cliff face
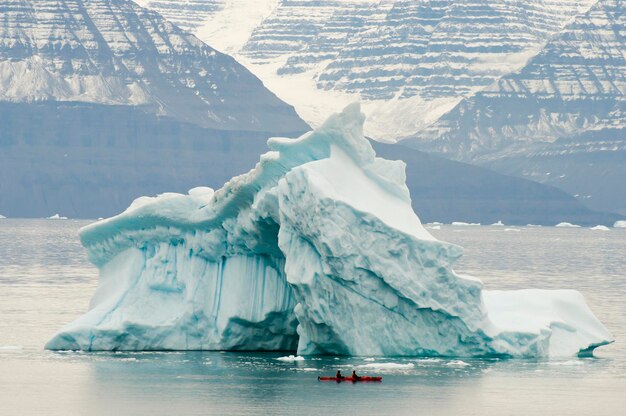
{"points": [[116, 52], [316, 247]]}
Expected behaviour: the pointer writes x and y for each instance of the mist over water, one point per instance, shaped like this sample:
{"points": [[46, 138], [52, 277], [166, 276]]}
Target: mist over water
{"points": [[47, 281]]}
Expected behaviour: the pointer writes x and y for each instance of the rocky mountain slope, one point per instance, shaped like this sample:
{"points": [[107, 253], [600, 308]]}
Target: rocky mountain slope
{"points": [[115, 52], [561, 119], [408, 61], [534, 89], [102, 100]]}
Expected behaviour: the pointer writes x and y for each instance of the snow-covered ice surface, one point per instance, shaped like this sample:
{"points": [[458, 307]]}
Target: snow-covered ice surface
{"points": [[316, 248], [619, 224]]}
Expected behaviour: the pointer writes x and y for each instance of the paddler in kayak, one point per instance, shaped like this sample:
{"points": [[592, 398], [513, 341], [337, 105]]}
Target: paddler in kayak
{"points": [[338, 375], [354, 376]]}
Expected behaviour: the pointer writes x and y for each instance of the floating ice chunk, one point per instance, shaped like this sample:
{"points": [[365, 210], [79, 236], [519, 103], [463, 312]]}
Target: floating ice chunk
{"points": [[56, 217], [619, 224], [456, 363], [600, 228], [315, 250], [290, 358], [2, 217], [566, 225], [465, 224], [434, 227], [498, 224], [512, 229], [385, 366], [10, 348]]}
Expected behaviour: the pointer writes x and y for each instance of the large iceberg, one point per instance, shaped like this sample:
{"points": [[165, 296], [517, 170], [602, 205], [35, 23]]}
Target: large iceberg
{"points": [[317, 250]]}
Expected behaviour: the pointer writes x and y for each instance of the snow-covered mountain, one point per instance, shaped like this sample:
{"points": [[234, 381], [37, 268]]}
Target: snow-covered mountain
{"points": [[479, 81], [409, 61], [116, 52], [561, 119], [103, 100]]}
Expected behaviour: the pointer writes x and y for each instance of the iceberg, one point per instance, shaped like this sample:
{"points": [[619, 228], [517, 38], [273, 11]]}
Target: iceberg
{"points": [[316, 250]]}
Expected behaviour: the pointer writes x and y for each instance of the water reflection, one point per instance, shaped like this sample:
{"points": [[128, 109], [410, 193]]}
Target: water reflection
{"points": [[235, 382]]}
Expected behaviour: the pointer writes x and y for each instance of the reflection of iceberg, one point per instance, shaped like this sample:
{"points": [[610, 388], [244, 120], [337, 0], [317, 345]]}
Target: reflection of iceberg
{"points": [[319, 236]]}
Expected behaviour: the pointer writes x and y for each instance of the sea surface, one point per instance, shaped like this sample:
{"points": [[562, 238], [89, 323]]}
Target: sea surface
{"points": [[46, 281]]}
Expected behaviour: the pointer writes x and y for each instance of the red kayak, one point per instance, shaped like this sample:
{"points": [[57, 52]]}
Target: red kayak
{"points": [[362, 378]]}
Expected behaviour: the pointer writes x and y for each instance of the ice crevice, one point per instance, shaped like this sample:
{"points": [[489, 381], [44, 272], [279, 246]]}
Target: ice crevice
{"points": [[315, 250]]}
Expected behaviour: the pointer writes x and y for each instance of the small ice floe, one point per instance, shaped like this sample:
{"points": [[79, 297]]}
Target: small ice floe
{"points": [[568, 362], [457, 363], [386, 366], [567, 225], [512, 229], [2, 217], [465, 224], [434, 223], [498, 224], [532, 225], [290, 358], [600, 228], [434, 227], [619, 224], [10, 348], [428, 360], [370, 359], [307, 369], [56, 217]]}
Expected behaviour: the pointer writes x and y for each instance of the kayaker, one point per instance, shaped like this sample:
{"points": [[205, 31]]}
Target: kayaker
{"points": [[354, 376], [338, 375]]}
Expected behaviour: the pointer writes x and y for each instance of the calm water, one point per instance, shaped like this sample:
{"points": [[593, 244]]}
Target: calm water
{"points": [[46, 281]]}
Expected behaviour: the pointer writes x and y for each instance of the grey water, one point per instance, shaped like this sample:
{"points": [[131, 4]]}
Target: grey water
{"points": [[46, 281]]}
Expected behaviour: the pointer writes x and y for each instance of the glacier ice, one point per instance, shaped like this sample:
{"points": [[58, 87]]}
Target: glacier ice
{"points": [[317, 250]]}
